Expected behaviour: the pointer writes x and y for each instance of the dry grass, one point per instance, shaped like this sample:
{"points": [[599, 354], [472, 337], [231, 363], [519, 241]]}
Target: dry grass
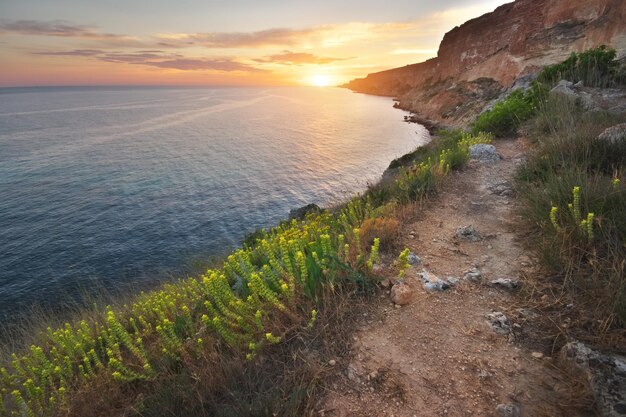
{"points": [[581, 289], [387, 229]]}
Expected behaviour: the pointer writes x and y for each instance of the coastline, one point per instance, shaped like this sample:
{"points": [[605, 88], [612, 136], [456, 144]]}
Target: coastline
{"points": [[286, 301], [247, 251], [153, 199], [304, 267]]}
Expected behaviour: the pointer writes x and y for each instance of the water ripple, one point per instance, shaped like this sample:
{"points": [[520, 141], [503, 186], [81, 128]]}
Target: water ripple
{"points": [[123, 187]]}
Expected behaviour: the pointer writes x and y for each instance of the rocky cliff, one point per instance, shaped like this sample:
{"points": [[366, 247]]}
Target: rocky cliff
{"points": [[483, 57]]}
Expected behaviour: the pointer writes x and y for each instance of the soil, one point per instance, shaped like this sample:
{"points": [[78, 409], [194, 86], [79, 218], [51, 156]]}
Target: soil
{"points": [[438, 355]]}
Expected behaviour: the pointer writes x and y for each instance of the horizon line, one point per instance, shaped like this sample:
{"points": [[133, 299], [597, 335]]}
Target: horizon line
{"points": [[166, 86]]}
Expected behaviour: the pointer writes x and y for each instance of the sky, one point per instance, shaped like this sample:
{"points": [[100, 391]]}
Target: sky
{"points": [[219, 42]]}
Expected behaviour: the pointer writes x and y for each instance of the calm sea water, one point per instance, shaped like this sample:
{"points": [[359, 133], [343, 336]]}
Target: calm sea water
{"points": [[121, 187]]}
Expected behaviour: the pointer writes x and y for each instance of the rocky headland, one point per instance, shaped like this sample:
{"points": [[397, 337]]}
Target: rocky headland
{"points": [[487, 56]]}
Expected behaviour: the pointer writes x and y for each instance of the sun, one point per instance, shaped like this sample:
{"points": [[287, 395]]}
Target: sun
{"points": [[320, 80]]}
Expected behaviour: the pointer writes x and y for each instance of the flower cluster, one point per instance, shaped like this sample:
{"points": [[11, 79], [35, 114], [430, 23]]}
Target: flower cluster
{"points": [[421, 178], [584, 225], [233, 305]]}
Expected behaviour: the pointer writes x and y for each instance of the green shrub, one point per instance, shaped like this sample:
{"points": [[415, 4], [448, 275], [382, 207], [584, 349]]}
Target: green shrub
{"points": [[445, 138], [582, 238], [506, 116], [421, 170], [261, 291], [407, 158], [252, 238], [594, 67], [421, 178]]}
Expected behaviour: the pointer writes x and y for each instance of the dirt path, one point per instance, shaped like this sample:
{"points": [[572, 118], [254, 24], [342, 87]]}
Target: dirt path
{"points": [[438, 356]]}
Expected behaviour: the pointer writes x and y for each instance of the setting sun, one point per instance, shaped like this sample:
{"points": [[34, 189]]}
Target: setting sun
{"points": [[320, 80]]}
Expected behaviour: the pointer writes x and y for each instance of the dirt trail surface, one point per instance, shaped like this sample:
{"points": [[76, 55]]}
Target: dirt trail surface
{"points": [[438, 355]]}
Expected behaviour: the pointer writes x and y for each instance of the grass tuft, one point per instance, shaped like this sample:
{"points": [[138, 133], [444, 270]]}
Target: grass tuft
{"points": [[575, 203]]}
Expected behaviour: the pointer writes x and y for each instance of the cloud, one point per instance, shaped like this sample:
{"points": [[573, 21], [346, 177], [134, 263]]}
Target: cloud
{"points": [[270, 37], [135, 57], [36, 27], [320, 36], [190, 64], [414, 51], [53, 28], [75, 52], [330, 35], [159, 59], [167, 45], [298, 58], [61, 28]]}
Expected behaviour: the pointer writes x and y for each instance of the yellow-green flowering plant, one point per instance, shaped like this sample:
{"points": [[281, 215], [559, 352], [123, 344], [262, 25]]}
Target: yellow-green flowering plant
{"points": [[403, 262]]}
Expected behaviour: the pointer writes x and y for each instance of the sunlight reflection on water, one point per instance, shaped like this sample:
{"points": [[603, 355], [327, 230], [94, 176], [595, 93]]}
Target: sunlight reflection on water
{"points": [[126, 186]]}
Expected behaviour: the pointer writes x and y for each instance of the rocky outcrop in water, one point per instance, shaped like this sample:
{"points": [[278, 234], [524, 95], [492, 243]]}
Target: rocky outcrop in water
{"points": [[483, 57], [301, 212]]}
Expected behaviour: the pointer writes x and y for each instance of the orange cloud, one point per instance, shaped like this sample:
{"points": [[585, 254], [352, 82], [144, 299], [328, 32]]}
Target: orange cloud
{"points": [[270, 37], [160, 59], [190, 64], [298, 58], [323, 36], [75, 52], [274, 56], [61, 28]]}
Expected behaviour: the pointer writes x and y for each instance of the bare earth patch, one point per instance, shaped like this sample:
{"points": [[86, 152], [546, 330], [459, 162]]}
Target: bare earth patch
{"points": [[438, 355]]}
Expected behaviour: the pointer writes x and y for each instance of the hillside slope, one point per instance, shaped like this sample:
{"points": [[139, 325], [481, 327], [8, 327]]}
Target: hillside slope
{"points": [[484, 56]]}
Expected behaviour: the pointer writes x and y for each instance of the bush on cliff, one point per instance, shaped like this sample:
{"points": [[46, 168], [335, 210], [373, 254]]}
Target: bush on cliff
{"points": [[506, 116], [596, 67]]}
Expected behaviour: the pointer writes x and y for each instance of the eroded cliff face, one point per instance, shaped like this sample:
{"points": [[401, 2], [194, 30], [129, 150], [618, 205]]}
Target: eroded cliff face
{"points": [[484, 56]]}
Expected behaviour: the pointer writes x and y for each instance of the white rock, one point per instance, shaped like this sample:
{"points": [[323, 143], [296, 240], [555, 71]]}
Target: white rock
{"points": [[505, 282], [484, 153], [469, 233], [432, 282], [414, 259], [614, 134], [499, 322], [605, 373], [452, 281], [473, 274], [508, 410]]}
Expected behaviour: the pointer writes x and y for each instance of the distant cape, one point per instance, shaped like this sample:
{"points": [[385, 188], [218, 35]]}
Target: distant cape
{"points": [[485, 56]]}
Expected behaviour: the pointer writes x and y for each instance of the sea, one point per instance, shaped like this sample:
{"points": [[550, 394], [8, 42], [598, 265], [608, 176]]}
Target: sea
{"points": [[116, 189]]}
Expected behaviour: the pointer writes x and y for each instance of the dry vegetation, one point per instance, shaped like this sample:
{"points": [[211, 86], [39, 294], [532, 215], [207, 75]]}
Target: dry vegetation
{"points": [[572, 188], [188, 347], [254, 336], [575, 208]]}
